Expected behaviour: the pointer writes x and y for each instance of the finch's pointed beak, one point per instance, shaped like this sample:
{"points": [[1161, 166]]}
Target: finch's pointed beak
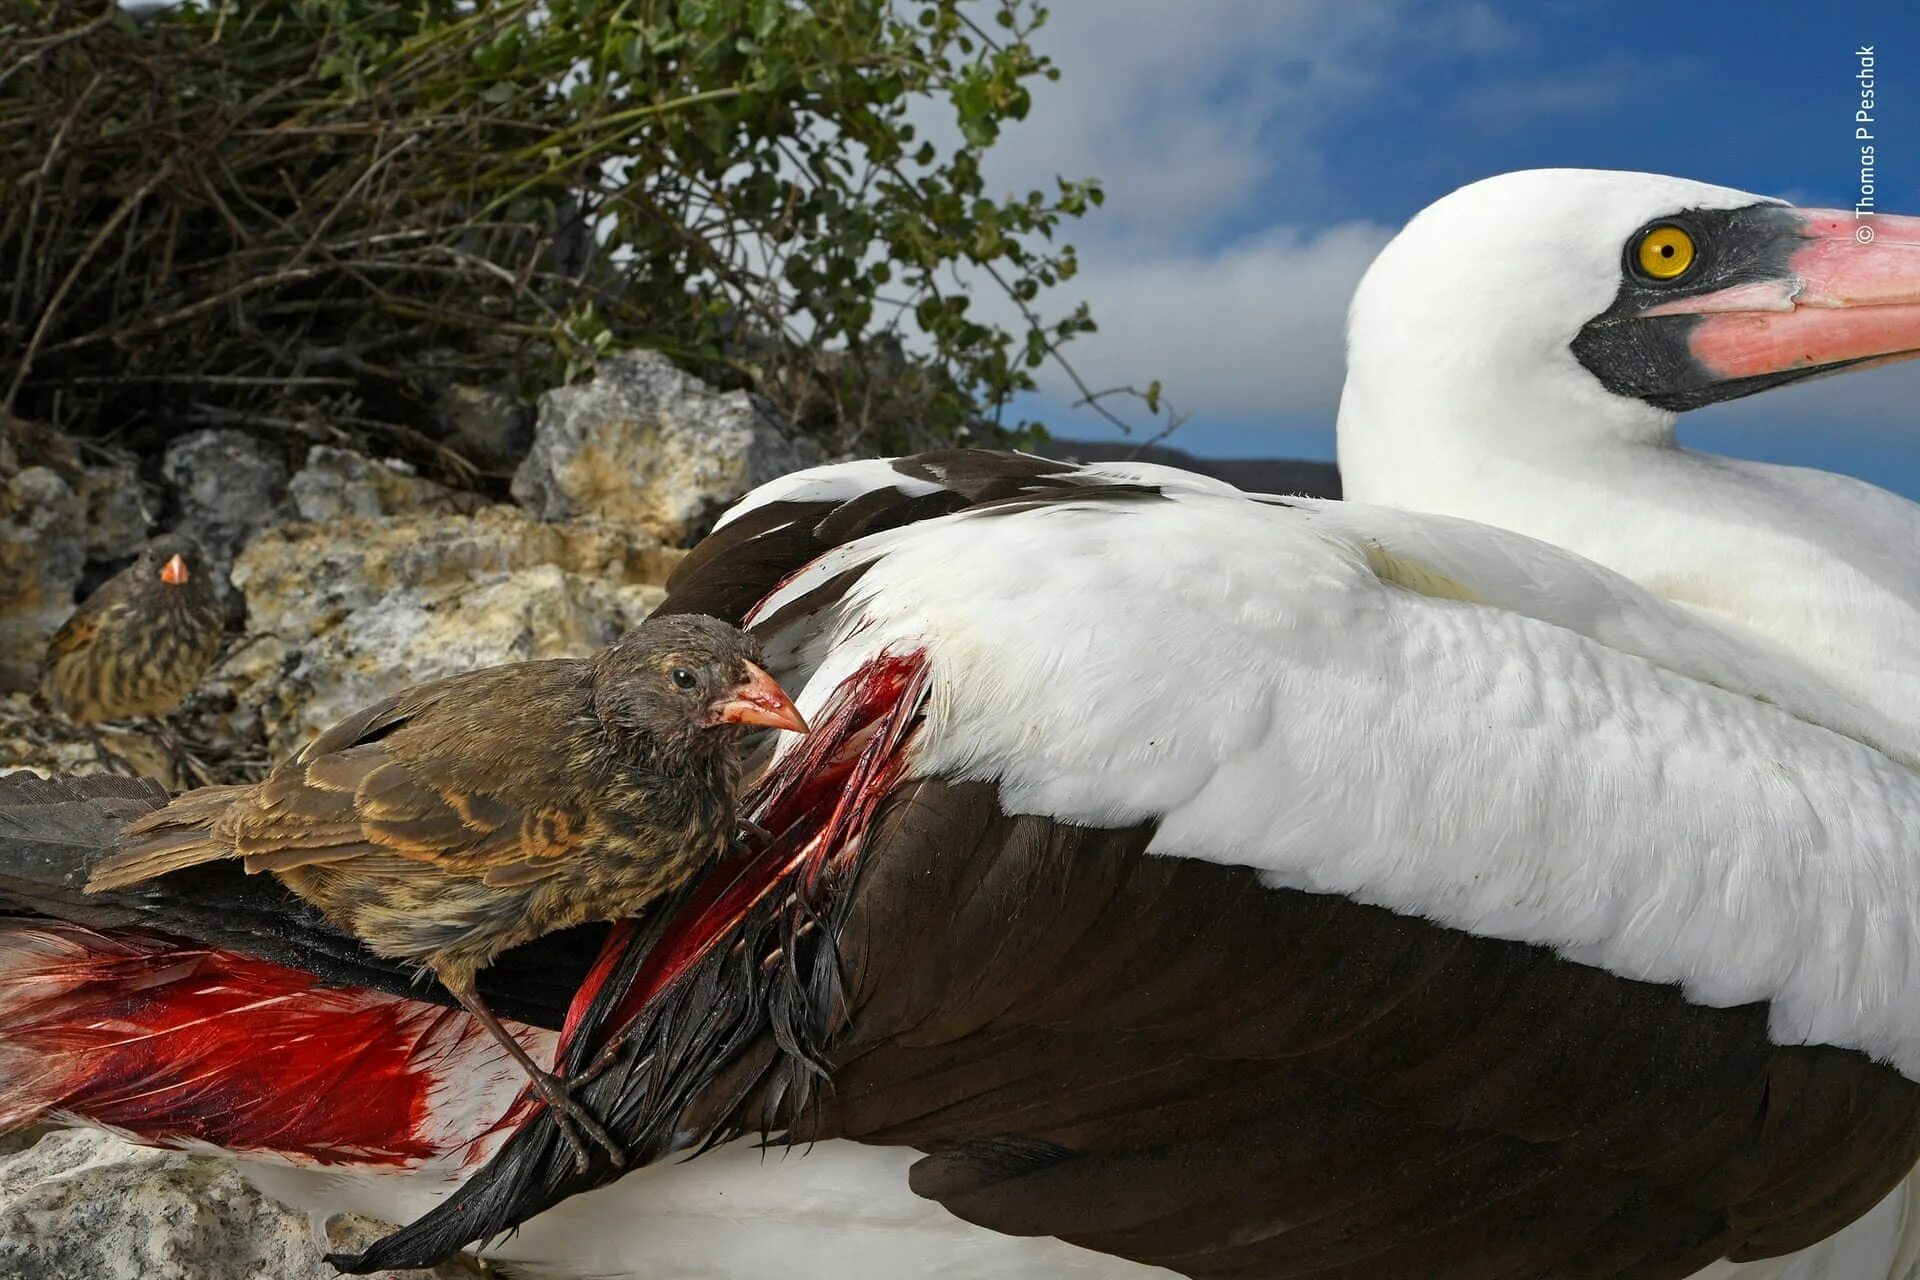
{"points": [[760, 701], [174, 572]]}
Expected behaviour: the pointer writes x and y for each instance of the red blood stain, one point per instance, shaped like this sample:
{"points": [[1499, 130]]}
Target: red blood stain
{"points": [[177, 1043]]}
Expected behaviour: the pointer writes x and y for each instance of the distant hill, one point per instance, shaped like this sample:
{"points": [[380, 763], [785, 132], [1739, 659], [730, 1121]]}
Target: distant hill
{"points": [[1256, 475]]}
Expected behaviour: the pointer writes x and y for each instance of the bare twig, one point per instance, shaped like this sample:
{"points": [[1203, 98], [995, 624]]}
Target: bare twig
{"points": [[1155, 402], [38, 49], [153, 324], [52, 309]]}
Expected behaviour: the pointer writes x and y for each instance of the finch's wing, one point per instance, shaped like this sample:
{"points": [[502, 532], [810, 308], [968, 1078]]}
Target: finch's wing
{"points": [[377, 788]]}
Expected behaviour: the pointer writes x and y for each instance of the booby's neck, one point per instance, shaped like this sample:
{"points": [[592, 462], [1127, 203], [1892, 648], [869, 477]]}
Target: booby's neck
{"points": [[1536, 447], [1423, 432], [1822, 564]]}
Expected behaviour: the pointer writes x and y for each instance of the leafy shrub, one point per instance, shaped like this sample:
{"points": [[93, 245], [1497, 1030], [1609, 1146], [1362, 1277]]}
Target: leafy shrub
{"points": [[278, 212]]}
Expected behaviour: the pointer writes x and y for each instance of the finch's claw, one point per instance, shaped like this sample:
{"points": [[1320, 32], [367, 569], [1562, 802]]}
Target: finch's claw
{"points": [[574, 1120], [609, 1052]]}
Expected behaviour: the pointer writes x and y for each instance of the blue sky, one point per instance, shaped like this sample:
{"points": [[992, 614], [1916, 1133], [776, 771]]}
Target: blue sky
{"points": [[1258, 152]]}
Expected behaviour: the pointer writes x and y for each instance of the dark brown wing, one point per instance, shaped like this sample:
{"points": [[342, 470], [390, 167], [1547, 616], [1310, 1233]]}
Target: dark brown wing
{"points": [[77, 631], [85, 622], [52, 829], [466, 774], [1166, 1060], [738, 564]]}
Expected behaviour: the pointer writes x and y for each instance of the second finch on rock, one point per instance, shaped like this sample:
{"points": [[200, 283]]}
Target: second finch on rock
{"points": [[139, 644]]}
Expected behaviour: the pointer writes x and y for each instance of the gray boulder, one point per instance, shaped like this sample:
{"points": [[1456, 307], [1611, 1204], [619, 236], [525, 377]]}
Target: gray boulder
{"points": [[338, 482], [230, 486], [55, 520], [42, 551], [117, 515], [342, 613], [82, 1205], [646, 443]]}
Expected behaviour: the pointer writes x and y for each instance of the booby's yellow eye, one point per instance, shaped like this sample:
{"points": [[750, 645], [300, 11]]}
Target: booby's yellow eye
{"points": [[1665, 252]]}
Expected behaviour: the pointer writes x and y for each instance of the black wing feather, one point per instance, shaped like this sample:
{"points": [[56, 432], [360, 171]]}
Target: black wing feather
{"points": [[52, 831]]}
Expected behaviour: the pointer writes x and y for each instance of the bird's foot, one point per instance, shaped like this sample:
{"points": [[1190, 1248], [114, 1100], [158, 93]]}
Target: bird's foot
{"points": [[575, 1120], [188, 769], [110, 760], [604, 1059]]}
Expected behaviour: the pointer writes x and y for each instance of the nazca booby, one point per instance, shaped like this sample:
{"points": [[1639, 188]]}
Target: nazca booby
{"points": [[1237, 885]]}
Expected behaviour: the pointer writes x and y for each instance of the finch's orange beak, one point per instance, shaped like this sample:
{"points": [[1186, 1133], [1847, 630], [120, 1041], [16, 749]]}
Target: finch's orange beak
{"points": [[760, 701], [174, 572]]}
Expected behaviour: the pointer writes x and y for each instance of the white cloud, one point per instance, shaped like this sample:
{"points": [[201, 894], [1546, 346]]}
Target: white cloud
{"points": [[1183, 112], [1499, 102], [1187, 114], [1251, 330], [1191, 115]]}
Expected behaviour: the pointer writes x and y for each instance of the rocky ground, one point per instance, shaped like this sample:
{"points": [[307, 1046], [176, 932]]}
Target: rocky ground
{"points": [[347, 575], [79, 1205]]}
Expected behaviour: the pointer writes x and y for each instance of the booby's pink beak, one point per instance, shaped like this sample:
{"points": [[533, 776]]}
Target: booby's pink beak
{"points": [[760, 701], [174, 572], [1851, 297]]}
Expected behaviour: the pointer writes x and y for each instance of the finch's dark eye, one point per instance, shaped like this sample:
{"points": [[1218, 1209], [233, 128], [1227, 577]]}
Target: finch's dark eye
{"points": [[684, 678]]}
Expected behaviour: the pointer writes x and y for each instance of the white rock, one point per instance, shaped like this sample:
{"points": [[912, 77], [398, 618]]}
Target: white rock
{"points": [[42, 550], [342, 613], [337, 483], [647, 443], [53, 521], [118, 517], [415, 635], [82, 1205]]}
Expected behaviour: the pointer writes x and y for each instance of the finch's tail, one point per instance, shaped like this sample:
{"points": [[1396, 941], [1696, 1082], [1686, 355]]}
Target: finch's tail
{"points": [[170, 839]]}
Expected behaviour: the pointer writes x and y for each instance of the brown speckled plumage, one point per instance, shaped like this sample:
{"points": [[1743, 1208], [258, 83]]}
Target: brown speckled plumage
{"points": [[465, 816], [138, 645]]}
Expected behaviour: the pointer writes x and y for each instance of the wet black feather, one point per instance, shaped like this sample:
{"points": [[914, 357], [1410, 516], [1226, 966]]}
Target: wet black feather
{"points": [[741, 1039], [52, 830]]}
